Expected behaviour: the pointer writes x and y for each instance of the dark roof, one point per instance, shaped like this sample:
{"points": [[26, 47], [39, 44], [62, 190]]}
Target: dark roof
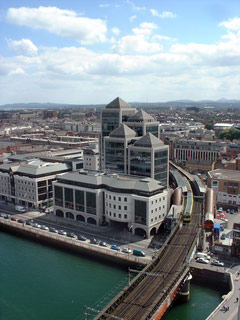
{"points": [[123, 131], [148, 141], [118, 103], [141, 116]]}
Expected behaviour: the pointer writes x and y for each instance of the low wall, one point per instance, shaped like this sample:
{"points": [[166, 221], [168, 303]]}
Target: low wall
{"points": [[68, 244]]}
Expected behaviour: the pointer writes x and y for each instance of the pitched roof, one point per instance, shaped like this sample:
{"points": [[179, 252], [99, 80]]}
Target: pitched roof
{"points": [[141, 116], [118, 103], [123, 131], [148, 141]]}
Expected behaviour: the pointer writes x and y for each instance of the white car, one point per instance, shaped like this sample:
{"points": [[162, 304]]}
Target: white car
{"points": [[202, 260], [44, 228], [126, 250], [217, 263]]}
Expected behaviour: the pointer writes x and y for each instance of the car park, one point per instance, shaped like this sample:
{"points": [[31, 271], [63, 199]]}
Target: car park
{"points": [[217, 263], [62, 232], [13, 219], [53, 230], [126, 250], [202, 260], [81, 238], [103, 244], [115, 247]]}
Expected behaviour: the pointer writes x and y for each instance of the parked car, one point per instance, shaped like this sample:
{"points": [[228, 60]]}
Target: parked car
{"points": [[202, 260], [28, 223], [36, 225], [81, 238], [20, 208], [232, 211], [139, 253], [1, 215], [103, 244], [71, 235], [115, 247], [7, 216], [220, 209], [53, 230], [94, 241], [217, 263], [20, 221], [13, 219], [62, 232], [223, 236], [44, 228], [126, 250]]}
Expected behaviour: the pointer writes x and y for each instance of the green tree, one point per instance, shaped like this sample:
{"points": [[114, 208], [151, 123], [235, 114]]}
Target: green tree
{"points": [[230, 134], [208, 126]]}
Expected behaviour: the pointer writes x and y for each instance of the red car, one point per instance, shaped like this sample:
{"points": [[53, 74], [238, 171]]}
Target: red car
{"points": [[13, 219]]}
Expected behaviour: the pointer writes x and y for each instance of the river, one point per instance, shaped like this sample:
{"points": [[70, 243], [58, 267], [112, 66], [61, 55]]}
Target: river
{"points": [[41, 283]]}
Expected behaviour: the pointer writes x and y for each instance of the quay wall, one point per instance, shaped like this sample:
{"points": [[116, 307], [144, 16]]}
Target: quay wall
{"points": [[72, 245]]}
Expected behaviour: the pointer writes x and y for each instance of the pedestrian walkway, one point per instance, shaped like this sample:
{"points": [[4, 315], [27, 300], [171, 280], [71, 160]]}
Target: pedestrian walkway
{"points": [[229, 307]]}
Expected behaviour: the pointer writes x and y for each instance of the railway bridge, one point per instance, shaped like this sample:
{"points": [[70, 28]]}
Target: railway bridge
{"points": [[155, 288]]}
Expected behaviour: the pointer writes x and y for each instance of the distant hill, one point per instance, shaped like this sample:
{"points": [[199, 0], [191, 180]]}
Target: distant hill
{"points": [[175, 103]]}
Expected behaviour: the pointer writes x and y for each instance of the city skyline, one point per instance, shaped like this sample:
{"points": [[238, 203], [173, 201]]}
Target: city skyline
{"points": [[90, 52]]}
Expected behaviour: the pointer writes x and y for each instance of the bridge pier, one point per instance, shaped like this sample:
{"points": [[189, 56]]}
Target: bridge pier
{"points": [[184, 293]]}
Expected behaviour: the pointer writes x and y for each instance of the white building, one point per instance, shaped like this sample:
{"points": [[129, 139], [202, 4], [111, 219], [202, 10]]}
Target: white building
{"points": [[136, 202], [29, 183]]}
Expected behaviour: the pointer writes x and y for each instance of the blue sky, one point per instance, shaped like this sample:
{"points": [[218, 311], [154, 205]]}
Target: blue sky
{"points": [[84, 52]]}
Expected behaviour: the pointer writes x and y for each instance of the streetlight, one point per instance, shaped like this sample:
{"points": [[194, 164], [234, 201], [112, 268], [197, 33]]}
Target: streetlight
{"points": [[129, 230]]}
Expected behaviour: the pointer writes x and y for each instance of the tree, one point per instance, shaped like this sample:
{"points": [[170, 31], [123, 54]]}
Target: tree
{"points": [[230, 134], [208, 126]]}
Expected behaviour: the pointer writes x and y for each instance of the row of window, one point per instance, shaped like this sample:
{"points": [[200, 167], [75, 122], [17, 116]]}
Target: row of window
{"points": [[115, 215], [156, 209], [157, 218], [114, 206], [114, 198], [158, 200], [24, 182]]}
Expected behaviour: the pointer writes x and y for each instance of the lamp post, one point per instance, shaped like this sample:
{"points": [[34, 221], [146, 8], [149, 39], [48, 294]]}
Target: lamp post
{"points": [[129, 230]]}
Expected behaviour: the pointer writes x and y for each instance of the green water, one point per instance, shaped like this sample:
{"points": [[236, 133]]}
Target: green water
{"points": [[202, 302], [41, 283]]}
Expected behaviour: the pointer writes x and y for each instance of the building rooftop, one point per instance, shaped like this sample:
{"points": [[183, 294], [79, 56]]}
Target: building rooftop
{"points": [[123, 131], [225, 174], [118, 103], [123, 182], [141, 116], [148, 141]]}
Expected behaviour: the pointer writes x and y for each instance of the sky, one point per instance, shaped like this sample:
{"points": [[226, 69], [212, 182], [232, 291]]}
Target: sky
{"points": [[92, 51]]}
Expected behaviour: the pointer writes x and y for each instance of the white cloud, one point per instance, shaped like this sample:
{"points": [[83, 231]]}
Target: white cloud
{"points": [[134, 7], [23, 46], [145, 28], [132, 18], [17, 71], [232, 24], [104, 5], [164, 14], [64, 23], [136, 43], [160, 37], [115, 31]]}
